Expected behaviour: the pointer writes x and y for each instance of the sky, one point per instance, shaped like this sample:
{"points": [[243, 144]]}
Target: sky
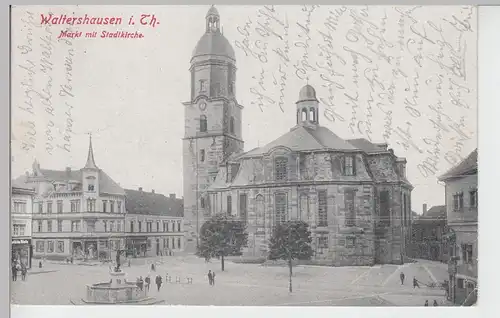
{"points": [[405, 76]]}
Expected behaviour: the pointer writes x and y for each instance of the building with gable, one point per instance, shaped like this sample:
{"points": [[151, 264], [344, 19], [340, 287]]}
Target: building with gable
{"points": [[461, 197], [79, 213], [20, 216], [153, 223], [353, 193]]}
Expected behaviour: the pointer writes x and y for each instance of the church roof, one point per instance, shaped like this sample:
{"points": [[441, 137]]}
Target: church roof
{"points": [[365, 145], [150, 203], [302, 138], [90, 157], [307, 93], [214, 43], [467, 167]]}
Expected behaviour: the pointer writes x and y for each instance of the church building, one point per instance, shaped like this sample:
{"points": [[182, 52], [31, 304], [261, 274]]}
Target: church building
{"points": [[353, 193]]}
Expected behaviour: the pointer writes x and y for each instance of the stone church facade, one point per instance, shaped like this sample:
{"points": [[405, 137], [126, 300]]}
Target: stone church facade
{"points": [[354, 194]]}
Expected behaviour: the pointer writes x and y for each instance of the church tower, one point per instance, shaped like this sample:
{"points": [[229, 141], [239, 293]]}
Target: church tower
{"points": [[90, 176], [213, 120]]}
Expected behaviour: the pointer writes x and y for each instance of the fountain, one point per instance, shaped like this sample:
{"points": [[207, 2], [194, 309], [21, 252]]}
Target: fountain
{"points": [[118, 291]]}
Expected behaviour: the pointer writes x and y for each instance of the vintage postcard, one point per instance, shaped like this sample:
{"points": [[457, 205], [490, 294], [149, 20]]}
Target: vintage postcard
{"points": [[244, 155]]}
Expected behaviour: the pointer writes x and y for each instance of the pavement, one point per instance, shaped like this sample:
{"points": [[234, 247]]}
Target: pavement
{"points": [[245, 284]]}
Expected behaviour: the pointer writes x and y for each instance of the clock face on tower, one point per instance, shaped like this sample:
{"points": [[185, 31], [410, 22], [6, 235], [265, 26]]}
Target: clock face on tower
{"points": [[202, 106]]}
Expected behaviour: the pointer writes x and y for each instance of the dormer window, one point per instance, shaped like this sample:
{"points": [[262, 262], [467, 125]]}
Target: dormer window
{"points": [[281, 170], [91, 187], [349, 167]]}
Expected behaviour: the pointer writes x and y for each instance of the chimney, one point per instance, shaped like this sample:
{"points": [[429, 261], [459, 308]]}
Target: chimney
{"points": [[140, 189], [424, 209], [153, 191], [172, 196]]}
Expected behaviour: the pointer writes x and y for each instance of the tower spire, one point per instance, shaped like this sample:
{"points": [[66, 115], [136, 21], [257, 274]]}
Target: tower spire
{"points": [[90, 157]]}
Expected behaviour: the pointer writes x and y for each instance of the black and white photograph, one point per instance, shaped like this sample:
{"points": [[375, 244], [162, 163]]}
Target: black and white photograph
{"points": [[257, 155]]}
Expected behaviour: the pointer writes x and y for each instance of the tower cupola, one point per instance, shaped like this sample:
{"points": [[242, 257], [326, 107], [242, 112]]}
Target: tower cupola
{"points": [[307, 107]]}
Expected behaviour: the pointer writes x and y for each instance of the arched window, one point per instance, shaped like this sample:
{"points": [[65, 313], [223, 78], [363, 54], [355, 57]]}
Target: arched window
{"points": [[203, 123], [304, 114], [304, 208], [312, 115], [298, 116], [260, 215], [231, 125]]}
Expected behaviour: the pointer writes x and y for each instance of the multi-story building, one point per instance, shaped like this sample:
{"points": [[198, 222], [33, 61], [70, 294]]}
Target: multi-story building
{"points": [[79, 214], [153, 223], [20, 215], [428, 235], [461, 210]]}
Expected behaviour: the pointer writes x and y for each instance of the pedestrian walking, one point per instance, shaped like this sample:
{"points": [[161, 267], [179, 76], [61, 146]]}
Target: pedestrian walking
{"points": [[24, 270], [14, 272], [153, 268], [140, 283], [158, 281], [435, 304], [426, 303], [402, 277], [213, 279], [148, 282], [210, 277], [415, 283]]}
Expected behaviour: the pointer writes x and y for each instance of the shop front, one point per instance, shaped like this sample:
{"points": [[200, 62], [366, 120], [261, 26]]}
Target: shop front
{"points": [[22, 251], [137, 246]]}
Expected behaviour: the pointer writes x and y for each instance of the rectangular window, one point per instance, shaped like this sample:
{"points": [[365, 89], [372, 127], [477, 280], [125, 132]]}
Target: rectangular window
{"points": [[168, 243], [39, 226], [157, 226], [40, 246], [118, 226], [281, 168], [473, 198], [18, 229], [202, 155], [202, 203], [322, 208], [323, 242], [105, 206], [119, 203], [385, 211], [19, 207], [168, 226], [132, 226], [111, 226], [349, 166], [178, 226], [49, 225], [75, 206], [350, 241], [467, 253], [178, 242], [49, 207], [50, 247], [460, 283], [90, 205], [59, 226], [458, 202], [229, 205], [350, 210], [280, 207], [304, 207], [59, 207], [140, 226], [75, 226], [112, 206], [60, 247], [40, 207], [105, 223], [203, 86], [243, 207], [164, 226], [90, 226]]}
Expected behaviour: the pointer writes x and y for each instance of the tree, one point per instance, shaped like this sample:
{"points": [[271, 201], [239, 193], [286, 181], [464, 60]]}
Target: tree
{"points": [[222, 236], [291, 240]]}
